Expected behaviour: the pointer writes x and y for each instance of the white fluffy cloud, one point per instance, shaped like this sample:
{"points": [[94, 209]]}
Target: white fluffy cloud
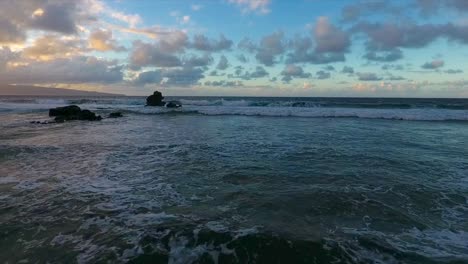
{"points": [[260, 6]]}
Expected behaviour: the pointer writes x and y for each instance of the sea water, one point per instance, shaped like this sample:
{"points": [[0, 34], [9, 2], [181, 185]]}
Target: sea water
{"points": [[243, 180]]}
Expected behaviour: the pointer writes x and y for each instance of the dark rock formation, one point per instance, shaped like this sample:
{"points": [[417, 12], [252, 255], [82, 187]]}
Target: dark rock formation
{"points": [[173, 104], [72, 112], [155, 100], [115, 115]]}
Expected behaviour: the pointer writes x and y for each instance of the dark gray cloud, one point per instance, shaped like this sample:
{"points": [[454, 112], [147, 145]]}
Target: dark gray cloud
{"points": [[202, 43], [390, 36], [79, 69], [57, 17], [453, 71], [395, 78], [347, 69], [259, 72], [270, 47], [216, 73], [303, 52], [431, 7], [19, 17], [242, 58], [433, 65], [315, 58], [198, 61], [159, 54], [329, 68], [223, 63], [321, 75], [145, 54], [330, 38], [293, 71], [367, 76], [397, 67], [10, 32], [357, 10]]}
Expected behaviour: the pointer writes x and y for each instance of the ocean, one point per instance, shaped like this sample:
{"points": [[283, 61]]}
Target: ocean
{"points": [[235, 180]]}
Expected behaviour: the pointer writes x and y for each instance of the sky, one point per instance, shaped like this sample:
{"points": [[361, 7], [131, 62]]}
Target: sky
{"points": [[371, 48]]}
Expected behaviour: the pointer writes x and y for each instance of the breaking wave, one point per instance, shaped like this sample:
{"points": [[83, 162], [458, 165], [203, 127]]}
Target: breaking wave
{"points": [[373, 108], [318, 112]]}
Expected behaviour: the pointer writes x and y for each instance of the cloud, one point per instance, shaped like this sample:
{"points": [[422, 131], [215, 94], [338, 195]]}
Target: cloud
{"points": [[160, 54], [56, 17], [354, 11], [384, 56], [293, 71], [6, 55], [202, 43], [180, 77], [329, 38], [258, 72], [198, 61], [395, 78], [433, 65], [259, 6], [49, 47], [431, 7], [388, 36], [10, 32], [397, 67], [315, 58], [247, 44], [367, 76], [131, 20], [270, 46], [347, 69], [303, 52], [18, 18], [224, 83], [452, 71], [242, 58], [145, 54], [197, 7], [148, 77], [223, 63], [101, 40], [79, 69], [321, 75]]}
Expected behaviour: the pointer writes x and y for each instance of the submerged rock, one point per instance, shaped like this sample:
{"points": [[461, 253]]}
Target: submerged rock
{"points": [[156, 99], [173, 104], [115, 115], [72, 112]]}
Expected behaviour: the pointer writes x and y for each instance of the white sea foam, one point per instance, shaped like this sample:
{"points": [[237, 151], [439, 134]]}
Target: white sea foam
{"points": [[317, 112]]}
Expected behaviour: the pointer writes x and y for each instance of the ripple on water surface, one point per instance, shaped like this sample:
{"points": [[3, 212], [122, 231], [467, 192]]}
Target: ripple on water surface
{"points": [[188, 188]]}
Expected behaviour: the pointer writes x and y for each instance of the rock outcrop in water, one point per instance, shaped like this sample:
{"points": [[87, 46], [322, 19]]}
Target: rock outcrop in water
{"points": [[156, 99], [72, 112], [173, 104], [115, 115]]}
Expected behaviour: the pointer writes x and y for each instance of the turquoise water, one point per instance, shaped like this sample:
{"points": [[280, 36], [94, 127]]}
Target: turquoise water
{"points": [[230, 182]]}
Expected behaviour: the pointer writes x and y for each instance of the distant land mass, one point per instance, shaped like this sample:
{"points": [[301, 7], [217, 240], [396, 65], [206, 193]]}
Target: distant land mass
{"points": [[18, 90]]}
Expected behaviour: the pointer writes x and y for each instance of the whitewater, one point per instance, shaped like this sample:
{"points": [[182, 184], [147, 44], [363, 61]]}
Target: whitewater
{"points": [[235, 180]]}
